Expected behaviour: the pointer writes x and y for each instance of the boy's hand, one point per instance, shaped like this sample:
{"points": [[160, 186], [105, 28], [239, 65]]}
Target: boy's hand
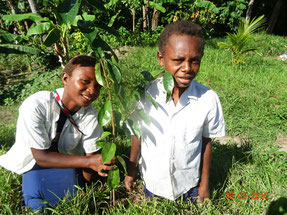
{"points": [[129, 179], [203, 193]]}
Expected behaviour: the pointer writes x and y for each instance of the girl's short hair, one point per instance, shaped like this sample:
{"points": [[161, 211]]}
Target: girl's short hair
{"points": [[79, 61], [181, 27]]}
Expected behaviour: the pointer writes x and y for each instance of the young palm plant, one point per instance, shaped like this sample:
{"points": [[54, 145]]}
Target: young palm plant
{"points": [[238, 42]]}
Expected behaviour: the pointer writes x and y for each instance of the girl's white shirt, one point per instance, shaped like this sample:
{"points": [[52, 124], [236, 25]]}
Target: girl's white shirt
{"points": [[36, 128]]}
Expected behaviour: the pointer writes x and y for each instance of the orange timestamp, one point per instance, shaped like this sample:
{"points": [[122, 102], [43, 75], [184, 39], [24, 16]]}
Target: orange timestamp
{"points": [[246, 195]]}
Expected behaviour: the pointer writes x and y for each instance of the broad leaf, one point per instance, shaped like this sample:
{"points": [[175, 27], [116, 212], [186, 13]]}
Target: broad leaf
{"points": [[144, 116], [113, 178], [104, 135], [18, 17], [100, 144], [134, 127], [112, 20], [17, 49], [8, 36], [122, 162], [105, 114], [88, 29], [147, 76], [53, 36], [99, 43], [168, 84], [86, 16], [108, 151], [114, 71], [97, 4], [99, 74], [152, 101], [157, 6], [41, 28], [68, 10]]}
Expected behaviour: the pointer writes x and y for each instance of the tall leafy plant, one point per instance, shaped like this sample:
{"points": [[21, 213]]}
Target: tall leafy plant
{"points": [[237, 42]]}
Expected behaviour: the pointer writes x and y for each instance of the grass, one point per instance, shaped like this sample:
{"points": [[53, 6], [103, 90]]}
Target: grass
{"points": [[253, 97]]}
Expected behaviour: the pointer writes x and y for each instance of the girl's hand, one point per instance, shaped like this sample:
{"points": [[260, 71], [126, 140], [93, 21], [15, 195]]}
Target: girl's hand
{"points": [[96, 163]]}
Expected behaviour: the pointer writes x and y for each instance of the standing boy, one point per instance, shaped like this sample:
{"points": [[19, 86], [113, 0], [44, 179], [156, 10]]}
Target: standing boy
{"points": [[175, 147]]}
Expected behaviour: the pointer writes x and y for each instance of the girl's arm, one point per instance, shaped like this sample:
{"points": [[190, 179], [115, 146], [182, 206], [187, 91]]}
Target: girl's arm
{"points": [[135, 153], [206, 150], [50, 159]]}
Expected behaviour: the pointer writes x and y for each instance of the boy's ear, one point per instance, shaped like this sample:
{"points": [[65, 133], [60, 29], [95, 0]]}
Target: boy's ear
{"points": [[65, 78], [160, 58]]}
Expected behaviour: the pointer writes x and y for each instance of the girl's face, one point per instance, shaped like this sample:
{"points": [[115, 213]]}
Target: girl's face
{"points": [[182, 58], [80, 88]]}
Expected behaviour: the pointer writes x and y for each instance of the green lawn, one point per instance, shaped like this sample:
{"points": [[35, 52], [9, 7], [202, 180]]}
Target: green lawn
{"points": [[254, 101]]}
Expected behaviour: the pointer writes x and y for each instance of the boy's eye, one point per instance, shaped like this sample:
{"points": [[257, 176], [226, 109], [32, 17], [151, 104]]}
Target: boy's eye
{"points": [[85, 81]]}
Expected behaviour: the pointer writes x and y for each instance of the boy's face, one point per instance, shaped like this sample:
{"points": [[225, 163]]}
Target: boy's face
{"points": [[182, 58], [81, 88]]}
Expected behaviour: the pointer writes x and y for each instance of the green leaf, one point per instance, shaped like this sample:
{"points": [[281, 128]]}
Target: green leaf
{"points": [[41, 28], [88, 29], [108, 151], [122, 162], [8, 36], [152, 101], [105, 114], [144, 116], [147, 76], [105, 134], [99, 43], [168, 84], [100, 144], [157, 6], [68, 10], [99, 74], [53, 36], [134, 127], [97, 4], [114, 71], [17, 49], [86, 16], [113, 178], [18, 17], [112, 20]]}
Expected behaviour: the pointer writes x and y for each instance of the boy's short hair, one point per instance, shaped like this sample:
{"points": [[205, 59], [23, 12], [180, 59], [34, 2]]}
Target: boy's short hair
{"points": [[79, 61], [181, 27]]}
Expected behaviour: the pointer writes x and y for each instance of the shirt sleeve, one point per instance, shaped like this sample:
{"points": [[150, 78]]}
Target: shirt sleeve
{"points": [[214, 125], [92, 132], [32, 125]]}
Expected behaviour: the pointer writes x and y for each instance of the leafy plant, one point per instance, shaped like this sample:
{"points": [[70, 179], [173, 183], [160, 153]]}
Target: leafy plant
{"points": [[238, 42]]}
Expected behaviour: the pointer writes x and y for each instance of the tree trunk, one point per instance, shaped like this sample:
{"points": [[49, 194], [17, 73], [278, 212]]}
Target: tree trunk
{"points": [[134, 18], [155, 17], [249, 10], [34, 6], [144, 17], [274, 16]]}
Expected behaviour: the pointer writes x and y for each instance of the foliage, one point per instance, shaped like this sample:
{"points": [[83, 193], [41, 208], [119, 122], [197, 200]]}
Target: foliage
{"points": [[238, 42]]}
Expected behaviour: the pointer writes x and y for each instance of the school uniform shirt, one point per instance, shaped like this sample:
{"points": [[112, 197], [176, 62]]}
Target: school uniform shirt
{"points": [[171, 143], [36, 128]]}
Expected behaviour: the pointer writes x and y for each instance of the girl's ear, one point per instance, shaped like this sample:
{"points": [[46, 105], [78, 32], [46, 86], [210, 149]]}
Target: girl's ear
{"points": [[65, 78], [160, 58]]}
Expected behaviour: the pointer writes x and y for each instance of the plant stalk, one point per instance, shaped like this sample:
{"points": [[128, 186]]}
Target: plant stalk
{"points": [[113, 119]]}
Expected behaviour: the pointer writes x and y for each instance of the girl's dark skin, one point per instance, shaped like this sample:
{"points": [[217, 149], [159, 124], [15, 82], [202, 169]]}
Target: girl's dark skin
{"points": [[182, 59], [80, 90]]}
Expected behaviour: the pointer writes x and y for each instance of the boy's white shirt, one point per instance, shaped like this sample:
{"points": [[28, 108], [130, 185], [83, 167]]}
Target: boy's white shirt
{"points": [[171, 143], [36, 128]]}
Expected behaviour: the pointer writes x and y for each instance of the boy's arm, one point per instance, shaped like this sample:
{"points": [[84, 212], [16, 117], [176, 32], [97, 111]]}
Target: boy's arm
{"points": [[131, 167], [203, 191]]}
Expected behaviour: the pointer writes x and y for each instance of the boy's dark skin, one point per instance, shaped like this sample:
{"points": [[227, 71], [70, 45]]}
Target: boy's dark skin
{"points": [[182, 57], [80, 90]]}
